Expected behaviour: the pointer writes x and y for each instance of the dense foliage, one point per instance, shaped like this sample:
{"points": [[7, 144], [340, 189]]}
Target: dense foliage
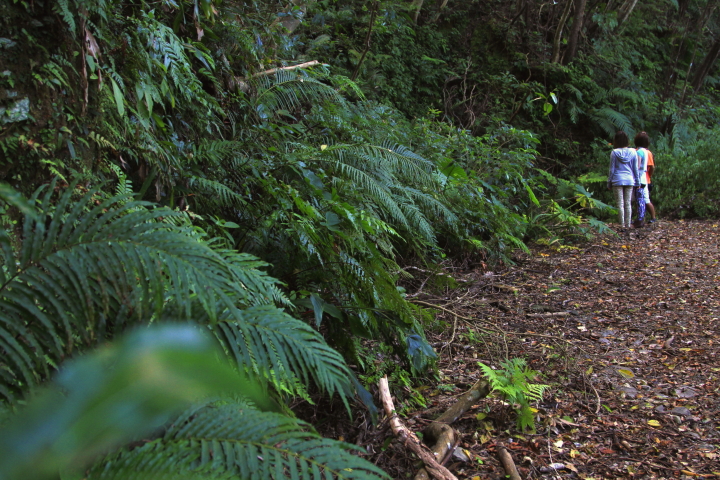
{"points": [[268, 169], [571, 72]]}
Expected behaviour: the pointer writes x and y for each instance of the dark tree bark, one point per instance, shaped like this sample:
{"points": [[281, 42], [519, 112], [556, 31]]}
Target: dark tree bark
{"points": [[558, 32], [704, 70]]}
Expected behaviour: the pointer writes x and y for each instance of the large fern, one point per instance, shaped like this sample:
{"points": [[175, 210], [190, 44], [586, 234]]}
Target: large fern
{"points": [[135, 390], [87, 269], [610, 120], [289, 89], [235, 440]]}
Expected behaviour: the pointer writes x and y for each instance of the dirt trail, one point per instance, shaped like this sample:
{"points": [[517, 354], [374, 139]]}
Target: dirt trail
{"points": [[624, 329]]}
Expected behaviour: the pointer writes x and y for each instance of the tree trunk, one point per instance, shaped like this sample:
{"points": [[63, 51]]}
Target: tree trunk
{"points": [[558, 32], [671, 70], [709, 60], [575, 32], [707, 65], [417, 4], [441, 4], [625, 11]]}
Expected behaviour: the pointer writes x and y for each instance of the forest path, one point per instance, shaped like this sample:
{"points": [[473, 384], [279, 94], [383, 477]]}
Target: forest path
{"points": [[623, 328]]}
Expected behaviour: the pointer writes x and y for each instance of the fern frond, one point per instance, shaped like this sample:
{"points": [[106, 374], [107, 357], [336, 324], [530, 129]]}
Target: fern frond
{"points": [[395, 158], [625, 94], [575, 112], [124, 186], [569, 87], [86, 271], [127, 390], [611, 120], [279, 347], [234, 440], [216, 191], [62, 8], [288, 89]]}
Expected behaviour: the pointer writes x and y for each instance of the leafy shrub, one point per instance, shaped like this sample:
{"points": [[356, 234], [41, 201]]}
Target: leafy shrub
{"points": [[687, 172]]}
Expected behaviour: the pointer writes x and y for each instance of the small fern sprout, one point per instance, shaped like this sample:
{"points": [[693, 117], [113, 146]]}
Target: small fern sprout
{"points": [[513, 383]]}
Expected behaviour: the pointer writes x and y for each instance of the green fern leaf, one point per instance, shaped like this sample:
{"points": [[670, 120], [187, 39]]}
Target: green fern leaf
{"points": [[91, 271], [234, 440], [280, 347]]}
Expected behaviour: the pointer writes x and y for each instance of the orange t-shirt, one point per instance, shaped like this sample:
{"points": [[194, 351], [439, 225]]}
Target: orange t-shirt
{"points": [[650, 161]]}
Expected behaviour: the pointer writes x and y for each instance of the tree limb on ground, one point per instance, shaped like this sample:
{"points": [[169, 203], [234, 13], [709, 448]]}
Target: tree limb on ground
{"points": [[440, 431], [508, 463], [408, 438], [551, 314]]}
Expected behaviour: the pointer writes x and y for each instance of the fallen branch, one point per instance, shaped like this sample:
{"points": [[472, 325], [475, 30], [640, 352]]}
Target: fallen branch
{"points": [[500, 286], [508, 463], [551, 314], [481, 389], [408, 438], [292, 67], [443, 448], [440, 431]]}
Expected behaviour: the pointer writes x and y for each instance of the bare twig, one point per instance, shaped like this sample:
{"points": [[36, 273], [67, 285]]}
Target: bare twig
{"points": [[452, 338], [426, 304], [551, 314], [374, 11]]}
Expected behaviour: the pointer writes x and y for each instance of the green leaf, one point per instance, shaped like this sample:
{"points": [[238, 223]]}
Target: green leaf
{"points": [[15, 198], [531, 194], [119, 100], [318, 305], [120, 392]]}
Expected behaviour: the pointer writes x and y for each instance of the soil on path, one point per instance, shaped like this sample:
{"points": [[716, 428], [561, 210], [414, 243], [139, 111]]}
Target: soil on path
{"points": [[623, 328]]}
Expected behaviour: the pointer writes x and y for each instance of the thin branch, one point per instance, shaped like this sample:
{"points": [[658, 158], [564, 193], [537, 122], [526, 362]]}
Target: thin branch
{"points": [[292, 67], [376, 6], [426, 304]]}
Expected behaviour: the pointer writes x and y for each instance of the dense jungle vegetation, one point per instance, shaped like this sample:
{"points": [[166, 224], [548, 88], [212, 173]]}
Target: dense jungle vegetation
{"points": [[252, 180]]}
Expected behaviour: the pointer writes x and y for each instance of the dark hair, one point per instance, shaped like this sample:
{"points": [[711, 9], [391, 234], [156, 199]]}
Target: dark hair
{"points": [[621, 140], [642, 140]]}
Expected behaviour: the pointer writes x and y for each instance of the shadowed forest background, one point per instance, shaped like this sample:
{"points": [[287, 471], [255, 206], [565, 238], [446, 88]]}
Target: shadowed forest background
{"points": [[261, 182]]}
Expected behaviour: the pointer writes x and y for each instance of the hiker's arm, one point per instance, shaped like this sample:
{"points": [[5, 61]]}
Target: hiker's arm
{"points": [[650, 170]]}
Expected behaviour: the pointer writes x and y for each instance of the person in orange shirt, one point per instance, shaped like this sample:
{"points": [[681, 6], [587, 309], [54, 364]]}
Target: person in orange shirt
{"points": [[645, 156]]}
